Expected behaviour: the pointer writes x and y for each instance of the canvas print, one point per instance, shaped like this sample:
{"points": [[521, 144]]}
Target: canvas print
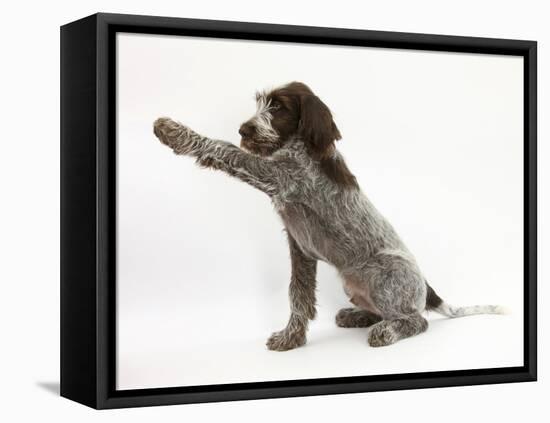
{"points": [[299, 211]]}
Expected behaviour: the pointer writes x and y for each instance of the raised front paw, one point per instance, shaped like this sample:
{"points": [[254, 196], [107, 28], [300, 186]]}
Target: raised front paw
{"points": [[173, 134], [285, 340]]}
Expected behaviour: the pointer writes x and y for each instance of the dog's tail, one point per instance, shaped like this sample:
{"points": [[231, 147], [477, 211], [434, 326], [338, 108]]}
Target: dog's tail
{"points": [[435, 303]]}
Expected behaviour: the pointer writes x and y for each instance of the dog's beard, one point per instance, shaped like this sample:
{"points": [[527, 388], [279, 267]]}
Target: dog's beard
{"points": [[261, 148]]}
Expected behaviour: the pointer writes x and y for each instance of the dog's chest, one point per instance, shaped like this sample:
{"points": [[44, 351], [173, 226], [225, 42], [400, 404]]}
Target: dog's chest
{"points": [[305, 226]]}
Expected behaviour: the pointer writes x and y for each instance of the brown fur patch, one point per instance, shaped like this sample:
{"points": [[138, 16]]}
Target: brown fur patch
{"points": [[338, 171]]}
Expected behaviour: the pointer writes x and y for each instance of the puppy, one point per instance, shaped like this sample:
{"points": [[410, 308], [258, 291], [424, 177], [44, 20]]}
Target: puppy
{"points": [[288, 151]]}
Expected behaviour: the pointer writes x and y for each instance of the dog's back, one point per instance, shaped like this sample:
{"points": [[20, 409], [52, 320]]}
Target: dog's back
{"points": [[331, 222]]}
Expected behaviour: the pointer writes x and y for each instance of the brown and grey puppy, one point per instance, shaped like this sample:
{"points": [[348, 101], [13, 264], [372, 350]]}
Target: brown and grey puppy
{"points": [[288, 151]]}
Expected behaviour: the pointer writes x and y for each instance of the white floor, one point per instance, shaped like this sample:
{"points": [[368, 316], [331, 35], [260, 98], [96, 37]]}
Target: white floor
{"points": [[172, 348]]}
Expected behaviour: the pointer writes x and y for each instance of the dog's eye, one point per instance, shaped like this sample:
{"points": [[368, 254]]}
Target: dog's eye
{"points": [[275, 106]]}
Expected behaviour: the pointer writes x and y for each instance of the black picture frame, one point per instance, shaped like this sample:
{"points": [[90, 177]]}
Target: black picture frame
{"points": [[88, 231]]}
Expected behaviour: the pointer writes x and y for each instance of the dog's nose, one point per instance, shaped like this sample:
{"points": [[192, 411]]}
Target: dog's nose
{"points": [[246, 130]]}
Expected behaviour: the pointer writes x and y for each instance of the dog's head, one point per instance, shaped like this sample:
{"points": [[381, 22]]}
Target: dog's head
{"points": [[287, 113], [292, 113]]}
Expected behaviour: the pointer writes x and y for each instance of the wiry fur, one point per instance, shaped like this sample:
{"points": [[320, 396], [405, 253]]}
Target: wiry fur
{"points": [[262, 119], [293, 159]]}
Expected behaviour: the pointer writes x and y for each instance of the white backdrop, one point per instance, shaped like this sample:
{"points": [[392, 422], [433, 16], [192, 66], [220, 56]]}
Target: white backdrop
{"points": [[435, 140], [29, 177]]}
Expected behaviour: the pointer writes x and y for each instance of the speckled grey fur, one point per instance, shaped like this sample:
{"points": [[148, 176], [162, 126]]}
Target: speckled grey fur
{"points": [[325, 221]]}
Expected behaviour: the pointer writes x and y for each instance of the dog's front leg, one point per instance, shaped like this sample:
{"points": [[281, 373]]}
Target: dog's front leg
{"points": [[302, 301], [256, 171]]}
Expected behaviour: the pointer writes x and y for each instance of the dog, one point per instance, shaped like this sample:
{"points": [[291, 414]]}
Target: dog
{"points": [[288, 151]]}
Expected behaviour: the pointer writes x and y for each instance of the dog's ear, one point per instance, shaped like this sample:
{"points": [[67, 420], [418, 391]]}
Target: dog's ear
{"points": [[316, 126]]}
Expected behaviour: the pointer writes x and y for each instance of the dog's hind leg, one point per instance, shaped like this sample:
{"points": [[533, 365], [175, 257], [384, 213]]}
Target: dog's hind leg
{"points": [[398, 291], [302, 301], [387, 332], [356, 318]]}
